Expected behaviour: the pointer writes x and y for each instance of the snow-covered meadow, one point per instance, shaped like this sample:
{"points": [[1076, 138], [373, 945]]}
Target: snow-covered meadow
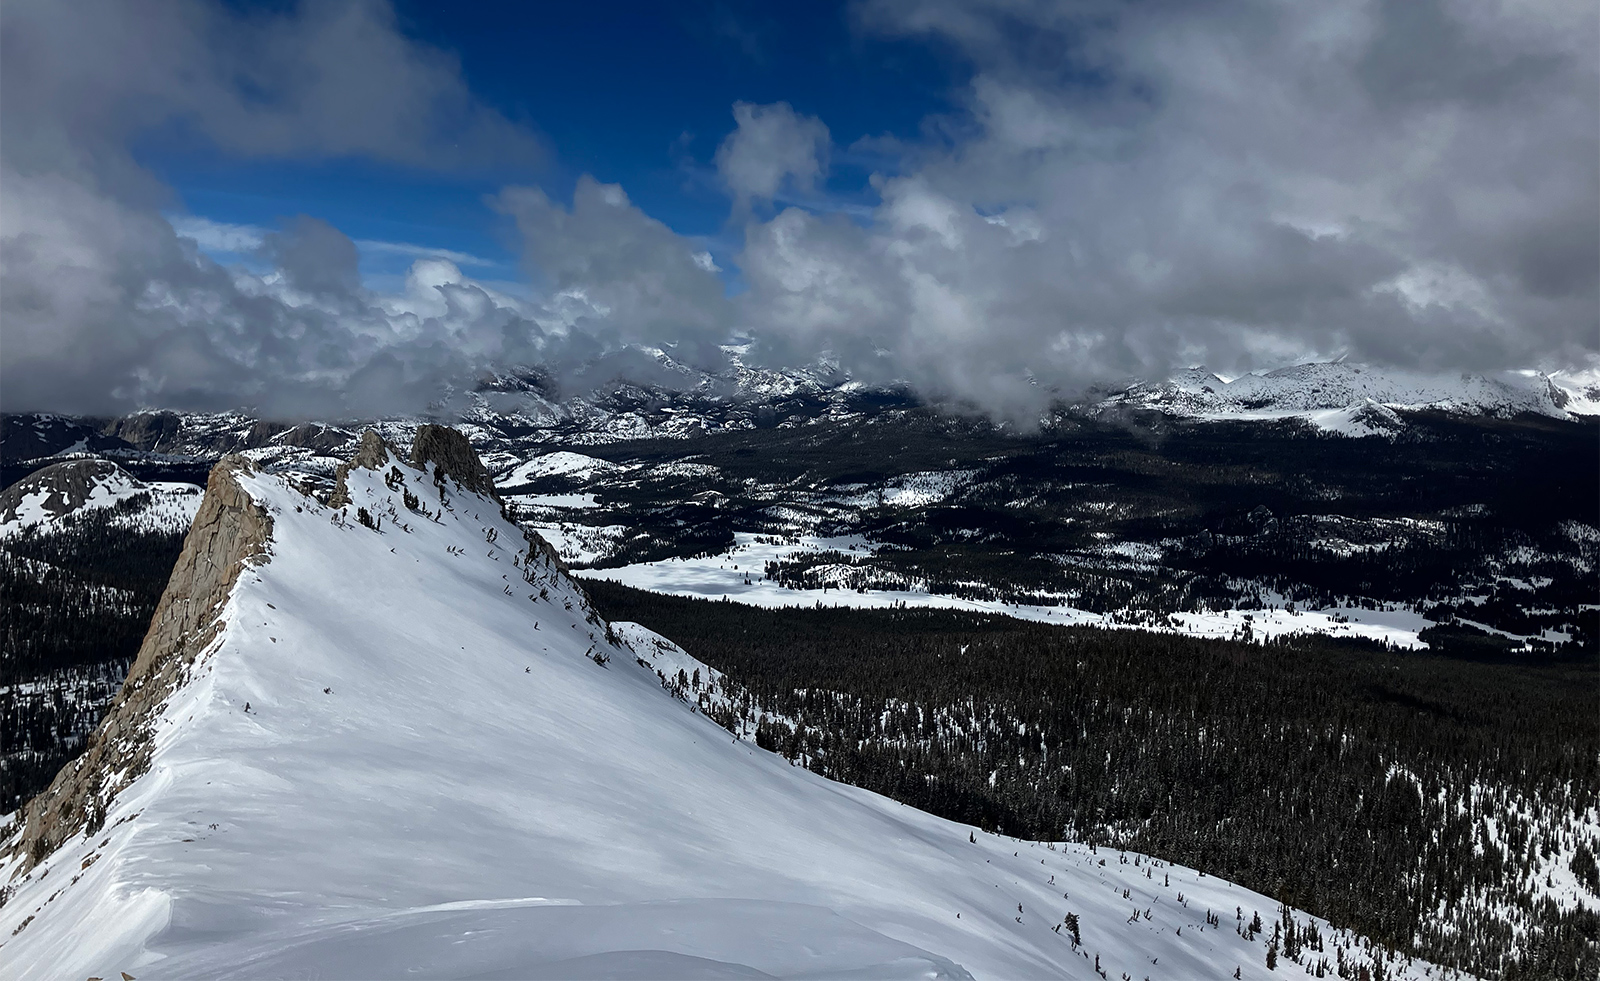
{"points": [[737, 575]]}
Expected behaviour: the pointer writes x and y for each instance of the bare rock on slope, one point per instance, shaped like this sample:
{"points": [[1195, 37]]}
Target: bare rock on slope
{"points": [[372, 453], [149, 431], [450, 453]]}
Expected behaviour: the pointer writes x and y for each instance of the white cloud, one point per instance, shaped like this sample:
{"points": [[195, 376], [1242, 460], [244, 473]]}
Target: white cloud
{"points": [[216, 236], [422, 252], [1409, 181], [621, 276], [1129, 190], [773, 147], [1122, 190], [106, 306]]}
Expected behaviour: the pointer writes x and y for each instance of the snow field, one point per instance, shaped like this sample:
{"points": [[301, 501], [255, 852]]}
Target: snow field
{"points": [[723, 576]]}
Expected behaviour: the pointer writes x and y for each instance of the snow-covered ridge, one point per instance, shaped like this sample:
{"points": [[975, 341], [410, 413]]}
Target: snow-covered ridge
{"points": [[1356, 399], [47, 497], [412, 749]]}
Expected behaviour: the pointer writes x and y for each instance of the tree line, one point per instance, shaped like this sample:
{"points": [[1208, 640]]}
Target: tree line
{"points": [[1427, 802]]}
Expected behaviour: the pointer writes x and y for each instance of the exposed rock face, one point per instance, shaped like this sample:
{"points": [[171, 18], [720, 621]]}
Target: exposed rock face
{"points": [[229, 533], [68, 485], [451, 454], [147, 430], [311, 436]]}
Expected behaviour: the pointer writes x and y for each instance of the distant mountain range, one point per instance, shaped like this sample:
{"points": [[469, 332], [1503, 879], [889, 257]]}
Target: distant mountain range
{"points": [[523, 407], [1360, 400]]}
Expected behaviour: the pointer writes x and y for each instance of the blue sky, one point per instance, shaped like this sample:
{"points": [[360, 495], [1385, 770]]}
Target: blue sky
{"points": [[633, 93]]}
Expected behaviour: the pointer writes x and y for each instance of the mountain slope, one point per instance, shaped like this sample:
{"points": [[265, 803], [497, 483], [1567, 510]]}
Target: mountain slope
{"points": [[45, 497], [380, 740]]}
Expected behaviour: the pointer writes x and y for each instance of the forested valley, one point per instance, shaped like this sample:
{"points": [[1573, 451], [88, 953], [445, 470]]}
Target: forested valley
{"points": [[1435, 804], [76, 602]]}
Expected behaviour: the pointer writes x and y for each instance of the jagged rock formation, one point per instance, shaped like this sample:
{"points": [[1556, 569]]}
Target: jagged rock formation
{"points": [[67, 486], [451, 454], [229, 533], [372, 454]]}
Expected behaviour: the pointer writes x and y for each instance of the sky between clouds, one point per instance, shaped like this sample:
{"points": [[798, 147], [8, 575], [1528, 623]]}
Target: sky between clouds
{"points": [[1108, 191]]}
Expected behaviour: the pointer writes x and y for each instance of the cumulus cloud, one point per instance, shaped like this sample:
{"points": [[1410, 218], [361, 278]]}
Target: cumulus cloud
{"points": [[108, 309], [1127, 189], [105, 307], [772, 149], [1131, 187], [82, 79], [620, 276]]}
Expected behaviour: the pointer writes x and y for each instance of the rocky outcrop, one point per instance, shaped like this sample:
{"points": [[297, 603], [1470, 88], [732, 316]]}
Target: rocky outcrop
{"points": [[451, 455], [371, 454], [229, 533], [66, 487]]}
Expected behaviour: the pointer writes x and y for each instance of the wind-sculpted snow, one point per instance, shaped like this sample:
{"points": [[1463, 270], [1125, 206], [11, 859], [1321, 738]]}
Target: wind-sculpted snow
{"points": [[413, 750]]}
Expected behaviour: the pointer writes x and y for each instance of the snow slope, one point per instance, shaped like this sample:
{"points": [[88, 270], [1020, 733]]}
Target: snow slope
{"points": [[401, 758], [561, 463]]}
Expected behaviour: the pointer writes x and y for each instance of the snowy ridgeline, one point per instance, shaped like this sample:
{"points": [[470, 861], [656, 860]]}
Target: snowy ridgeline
{"points": [[415, 751]]}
